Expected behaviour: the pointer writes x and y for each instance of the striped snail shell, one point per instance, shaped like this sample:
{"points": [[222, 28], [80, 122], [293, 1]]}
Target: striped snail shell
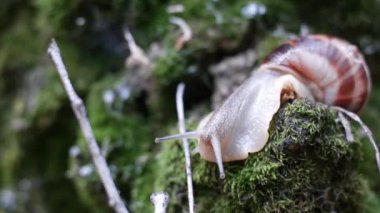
{"points": [[318, 67], [334, 69]]}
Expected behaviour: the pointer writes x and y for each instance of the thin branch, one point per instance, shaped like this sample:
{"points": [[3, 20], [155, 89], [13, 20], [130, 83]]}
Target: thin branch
{"points": [[160, 201], [186, 149], [356, 118], [114, 199], [175, 8], [186, 31]]}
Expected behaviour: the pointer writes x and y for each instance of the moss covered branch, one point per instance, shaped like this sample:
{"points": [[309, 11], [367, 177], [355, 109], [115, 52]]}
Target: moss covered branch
{"points": [[307, 165]]}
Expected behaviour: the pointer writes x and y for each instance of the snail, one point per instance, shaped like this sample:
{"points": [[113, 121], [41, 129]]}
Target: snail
{"points": [[318, 67]]}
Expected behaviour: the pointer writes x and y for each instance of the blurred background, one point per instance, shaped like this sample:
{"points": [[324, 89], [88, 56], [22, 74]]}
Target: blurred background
{"points": [[44, 161]]}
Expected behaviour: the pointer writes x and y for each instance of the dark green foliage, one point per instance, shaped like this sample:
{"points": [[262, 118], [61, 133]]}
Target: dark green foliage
{"points": [[38, 127], [307, 165], [169, 67], [371, 115]]}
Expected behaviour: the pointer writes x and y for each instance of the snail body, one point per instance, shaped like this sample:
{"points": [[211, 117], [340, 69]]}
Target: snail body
{"points": [[240, 119], [318, 67]]}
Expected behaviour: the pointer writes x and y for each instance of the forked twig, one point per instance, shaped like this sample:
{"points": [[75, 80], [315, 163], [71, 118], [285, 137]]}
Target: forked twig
{"points": [[186, 149], [368, 132], [114, 199]]}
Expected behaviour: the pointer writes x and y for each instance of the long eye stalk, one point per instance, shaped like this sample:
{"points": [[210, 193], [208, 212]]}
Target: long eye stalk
{"points": [[193, 134], [218, 156]]}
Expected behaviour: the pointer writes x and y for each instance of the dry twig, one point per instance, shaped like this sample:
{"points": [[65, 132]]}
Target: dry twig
{"points": [[160, 201], [186, 149], [114, 199], [356, 118], [346, 127]]}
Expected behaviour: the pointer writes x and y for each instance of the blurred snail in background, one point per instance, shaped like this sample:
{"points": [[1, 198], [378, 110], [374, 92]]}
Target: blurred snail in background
{"points": [[318, 67]]}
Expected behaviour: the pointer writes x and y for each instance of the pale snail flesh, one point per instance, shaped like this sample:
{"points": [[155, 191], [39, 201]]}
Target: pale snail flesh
{"points": [[318, 67]]}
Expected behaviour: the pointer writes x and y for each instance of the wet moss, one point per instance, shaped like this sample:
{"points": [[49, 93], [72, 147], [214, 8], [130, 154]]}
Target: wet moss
{"points": [[306, 165], [89, 34]]}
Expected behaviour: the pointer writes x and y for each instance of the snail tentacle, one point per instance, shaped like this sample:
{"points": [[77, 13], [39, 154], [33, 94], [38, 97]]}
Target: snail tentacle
{"points": [[193, 134], [218, 155]]}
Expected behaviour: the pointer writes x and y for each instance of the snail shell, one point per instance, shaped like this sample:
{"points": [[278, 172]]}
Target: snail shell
{"points": [[318, 67], [334, 70]]}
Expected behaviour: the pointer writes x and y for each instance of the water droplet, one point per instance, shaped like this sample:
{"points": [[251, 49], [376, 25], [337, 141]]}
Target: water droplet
{"points": [[108, 97], [252, 10], [80, 21], [85, 170], [74, 151]]}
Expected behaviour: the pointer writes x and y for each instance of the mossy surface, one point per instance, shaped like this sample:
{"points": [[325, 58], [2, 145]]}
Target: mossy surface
{"points": [[307, 165], [38, 128]]}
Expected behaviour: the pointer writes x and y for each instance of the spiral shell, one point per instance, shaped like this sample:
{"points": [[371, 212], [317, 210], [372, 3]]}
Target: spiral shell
{"points": [[318, 67], [334, 70]]}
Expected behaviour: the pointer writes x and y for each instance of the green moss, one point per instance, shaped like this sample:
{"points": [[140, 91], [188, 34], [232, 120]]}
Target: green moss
{"points": [[97, 49], [52, 13], [371, 116], [169, 67], [9, 158], [20, 45], [128, 130], [266, 46], [307, 165], [216, 26], [371, 201], [128, 137]]}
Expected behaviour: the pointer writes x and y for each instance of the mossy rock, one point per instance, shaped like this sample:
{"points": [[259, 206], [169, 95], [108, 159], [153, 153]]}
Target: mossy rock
{"points": [[307, 165]]}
